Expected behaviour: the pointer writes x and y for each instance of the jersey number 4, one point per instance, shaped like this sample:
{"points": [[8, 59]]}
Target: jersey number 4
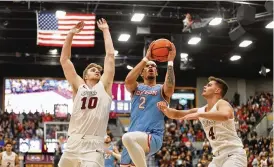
{"points": [[211, 133], [92, 102]]}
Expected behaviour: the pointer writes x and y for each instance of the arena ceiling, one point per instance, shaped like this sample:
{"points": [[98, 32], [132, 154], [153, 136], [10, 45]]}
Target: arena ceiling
{"points": [[165, 20]]}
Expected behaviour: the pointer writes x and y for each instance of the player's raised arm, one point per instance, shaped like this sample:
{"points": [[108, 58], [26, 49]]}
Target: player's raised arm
{"points": [[169, 83], [173, 113], [224, 113], [131, 79], [109, 63], [70, 73]]}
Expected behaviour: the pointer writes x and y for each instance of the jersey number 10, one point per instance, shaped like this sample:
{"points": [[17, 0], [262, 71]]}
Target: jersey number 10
{"points": [[92, 102]]}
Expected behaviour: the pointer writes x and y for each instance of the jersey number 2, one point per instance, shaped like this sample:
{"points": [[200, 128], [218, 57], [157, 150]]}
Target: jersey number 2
{"points": [[211, 133], [92, 102], [142, 102]]}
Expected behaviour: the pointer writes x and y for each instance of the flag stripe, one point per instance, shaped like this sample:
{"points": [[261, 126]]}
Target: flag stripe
{"points": [[66, 32], [68, 27], [62, 42], [56, 39], [77, 17], [53, 36], [70, 22], [60, 45], [79, 14]]}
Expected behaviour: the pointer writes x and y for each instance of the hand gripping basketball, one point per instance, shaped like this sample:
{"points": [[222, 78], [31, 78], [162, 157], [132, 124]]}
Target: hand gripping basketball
{"points": [[160, 50], [172, 53]]}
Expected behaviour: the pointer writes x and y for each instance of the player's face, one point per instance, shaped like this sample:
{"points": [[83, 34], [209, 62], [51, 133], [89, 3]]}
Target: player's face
{"points": [[210, 89], [8, 147], [93, 74], [150, 71]]}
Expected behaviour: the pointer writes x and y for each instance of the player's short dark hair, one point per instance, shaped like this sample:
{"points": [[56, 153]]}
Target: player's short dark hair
{"points": [[221, 83], [8, 143]]}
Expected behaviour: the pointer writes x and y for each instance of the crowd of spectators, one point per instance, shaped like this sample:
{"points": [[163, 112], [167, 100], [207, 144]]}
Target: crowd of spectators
{"points": [[16, 86], [248, 114], [30, 126]]}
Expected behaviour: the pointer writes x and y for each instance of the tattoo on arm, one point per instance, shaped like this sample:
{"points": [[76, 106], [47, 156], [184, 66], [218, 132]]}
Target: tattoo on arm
{"points": [[170, 76]]}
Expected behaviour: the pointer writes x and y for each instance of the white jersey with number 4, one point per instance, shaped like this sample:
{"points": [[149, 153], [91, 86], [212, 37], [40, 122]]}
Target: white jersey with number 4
{"points": [[221, 134], [8, 160], [90, 113]]}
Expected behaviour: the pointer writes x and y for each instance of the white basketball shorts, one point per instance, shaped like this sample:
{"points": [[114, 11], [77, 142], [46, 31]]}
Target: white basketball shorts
{"points": [[229, 158], [83, 151]]}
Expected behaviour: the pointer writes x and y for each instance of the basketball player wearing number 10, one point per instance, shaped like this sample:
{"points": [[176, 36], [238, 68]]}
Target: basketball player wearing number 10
{"points": [[146, 129], [217, 118], [91, 104]]}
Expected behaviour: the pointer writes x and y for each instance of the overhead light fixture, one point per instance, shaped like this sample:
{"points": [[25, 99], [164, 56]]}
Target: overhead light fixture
{"points": [[129, 67], [270, 25], [137, 17], [235, 58], [116, 52], [60, 13], [194, 40], [245, 43], [53, 51], [184, 55], [124, 37], [215, 21], [267, 70]]}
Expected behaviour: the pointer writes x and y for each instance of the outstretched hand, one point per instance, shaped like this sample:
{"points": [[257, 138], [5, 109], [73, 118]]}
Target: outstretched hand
{"points": [[102, 24], [162, 106], [78, 27]]}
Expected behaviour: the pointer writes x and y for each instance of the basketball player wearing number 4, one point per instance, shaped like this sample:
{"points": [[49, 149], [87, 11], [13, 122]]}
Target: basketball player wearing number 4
{"points": [[91, 104], [146, 129], [217, 118]]}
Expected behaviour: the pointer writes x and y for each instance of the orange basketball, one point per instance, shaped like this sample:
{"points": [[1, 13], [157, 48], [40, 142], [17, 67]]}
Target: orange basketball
{"points": [[160, 50]]}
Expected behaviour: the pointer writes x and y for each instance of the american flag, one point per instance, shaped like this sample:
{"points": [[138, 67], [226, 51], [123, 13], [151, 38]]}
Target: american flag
{"points": [[52, 31]]}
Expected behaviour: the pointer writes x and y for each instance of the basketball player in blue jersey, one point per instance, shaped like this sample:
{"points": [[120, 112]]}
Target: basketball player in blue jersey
{"points": [[146, 130], [111, 153]]}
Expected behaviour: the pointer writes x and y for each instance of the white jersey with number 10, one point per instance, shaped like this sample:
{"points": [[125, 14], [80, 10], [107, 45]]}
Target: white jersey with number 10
{"points": [[90, 113]]}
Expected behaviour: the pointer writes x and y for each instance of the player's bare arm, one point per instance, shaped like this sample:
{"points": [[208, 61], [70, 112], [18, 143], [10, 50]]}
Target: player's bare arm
{"points": [[131, 79], [116, 154], [109, 63], [69, 71], [224, 113], [169, 84], [17, 161], [0, 159], [173, 113]]}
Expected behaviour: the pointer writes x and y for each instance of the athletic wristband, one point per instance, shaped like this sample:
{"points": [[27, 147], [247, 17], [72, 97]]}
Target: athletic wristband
{"points": [[145, 59], [170, 63]]}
